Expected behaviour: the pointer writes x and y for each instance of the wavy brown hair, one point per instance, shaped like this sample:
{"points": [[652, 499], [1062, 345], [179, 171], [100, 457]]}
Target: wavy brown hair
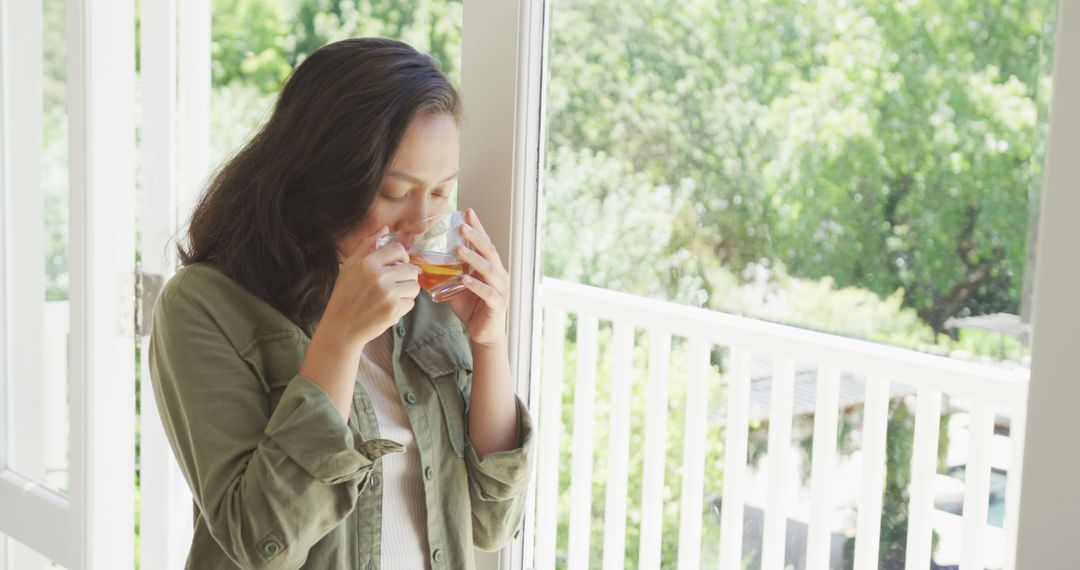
{"points": [[270, 216]]}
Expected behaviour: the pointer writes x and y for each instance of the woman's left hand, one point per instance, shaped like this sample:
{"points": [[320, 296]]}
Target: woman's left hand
{"points": [[484, 310]]}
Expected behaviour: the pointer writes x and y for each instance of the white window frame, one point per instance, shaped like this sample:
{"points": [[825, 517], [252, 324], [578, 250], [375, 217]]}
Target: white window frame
{"points": [[502, 150], [176, 81], [91, 525], [1050, 497]]}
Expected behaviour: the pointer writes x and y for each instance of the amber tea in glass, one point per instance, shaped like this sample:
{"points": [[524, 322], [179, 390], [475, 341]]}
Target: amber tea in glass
{"points": [[432, 245], [435, 270]]}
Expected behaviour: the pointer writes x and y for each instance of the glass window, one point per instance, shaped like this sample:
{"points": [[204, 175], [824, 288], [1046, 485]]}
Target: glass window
{"points": [[870, 170], [37, 257], [256, 45]]}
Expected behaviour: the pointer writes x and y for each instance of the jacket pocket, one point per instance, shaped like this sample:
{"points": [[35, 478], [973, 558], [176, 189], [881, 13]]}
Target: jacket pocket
{"points": [[446, 360], [276, 360], [453, 407]]}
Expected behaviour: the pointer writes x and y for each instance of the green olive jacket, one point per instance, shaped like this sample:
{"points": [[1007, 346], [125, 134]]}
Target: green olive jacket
{"points": [[279, 480]]}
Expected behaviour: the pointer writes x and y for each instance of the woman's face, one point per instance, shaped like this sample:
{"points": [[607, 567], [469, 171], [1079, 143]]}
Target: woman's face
{"points": [[418, 182]]}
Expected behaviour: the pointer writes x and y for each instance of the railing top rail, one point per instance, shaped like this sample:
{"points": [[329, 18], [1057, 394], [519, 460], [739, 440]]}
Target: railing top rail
{"points": [[1000, 384]]}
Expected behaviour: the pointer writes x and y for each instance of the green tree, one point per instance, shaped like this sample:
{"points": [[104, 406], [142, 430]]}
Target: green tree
{"points": [[889, 146], [916, 167], [259, 42]]}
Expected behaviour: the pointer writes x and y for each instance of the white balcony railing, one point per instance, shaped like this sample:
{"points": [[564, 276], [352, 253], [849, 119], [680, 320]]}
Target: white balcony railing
{"points": [[989, 389]]}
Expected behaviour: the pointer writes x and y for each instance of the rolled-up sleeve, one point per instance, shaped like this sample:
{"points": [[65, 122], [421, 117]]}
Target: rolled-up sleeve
{"points": [[497, 485], [308, 429], [269, 484]]}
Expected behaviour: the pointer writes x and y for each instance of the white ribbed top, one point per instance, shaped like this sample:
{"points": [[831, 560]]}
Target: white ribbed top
{"points": [[404, 515]]}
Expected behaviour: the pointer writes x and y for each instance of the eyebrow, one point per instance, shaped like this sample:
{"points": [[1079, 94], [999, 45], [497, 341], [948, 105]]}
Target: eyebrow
{"points": [[416, 180]]}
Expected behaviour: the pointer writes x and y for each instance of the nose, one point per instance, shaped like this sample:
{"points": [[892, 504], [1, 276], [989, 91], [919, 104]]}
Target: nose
{"points": [[410, 222]]}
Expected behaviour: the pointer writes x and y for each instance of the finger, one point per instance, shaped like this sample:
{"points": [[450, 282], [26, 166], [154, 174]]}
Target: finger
{"points": [[391, 283], [474, 220], [486, 292], [367, 243], [481, 242], [401, 273], [483, 267], [406, 289], [390, 254], [480, 238], [404, 306]]}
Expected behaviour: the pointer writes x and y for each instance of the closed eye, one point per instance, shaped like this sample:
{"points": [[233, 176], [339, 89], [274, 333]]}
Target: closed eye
{"points": [[390, 198], [393, 198]]}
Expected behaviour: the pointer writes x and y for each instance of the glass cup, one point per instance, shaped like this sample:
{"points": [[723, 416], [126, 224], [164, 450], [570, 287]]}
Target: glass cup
{"points": [[432, 246]]}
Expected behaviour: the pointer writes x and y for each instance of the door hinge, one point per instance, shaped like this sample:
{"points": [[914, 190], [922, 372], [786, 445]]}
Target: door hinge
{"points": [[147, 288]]}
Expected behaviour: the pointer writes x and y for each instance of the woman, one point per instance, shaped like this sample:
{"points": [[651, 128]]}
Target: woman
{"points": [[326, 413]]}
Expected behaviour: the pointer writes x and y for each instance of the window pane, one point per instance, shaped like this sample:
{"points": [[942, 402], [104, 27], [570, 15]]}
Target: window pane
{"points": [[834, 171], [257, 44], [783, 177], [37, 258]]}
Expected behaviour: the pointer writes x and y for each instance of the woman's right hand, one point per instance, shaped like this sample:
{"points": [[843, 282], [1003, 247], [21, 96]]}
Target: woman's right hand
{"points": [[374, 289]]}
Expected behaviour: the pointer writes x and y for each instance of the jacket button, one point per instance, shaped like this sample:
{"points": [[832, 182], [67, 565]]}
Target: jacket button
{"points": [[429, 473], [437, 555], [374, 479], [271, 548], [410, 397], [400, 330]]}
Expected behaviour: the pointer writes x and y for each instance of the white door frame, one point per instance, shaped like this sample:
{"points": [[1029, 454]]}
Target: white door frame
{"points": [[1050, 496], [502, 148], [175, 73], [94, 520]]}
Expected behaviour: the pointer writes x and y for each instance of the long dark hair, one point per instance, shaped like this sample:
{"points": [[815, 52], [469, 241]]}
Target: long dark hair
{"points": [[270, 216]]}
